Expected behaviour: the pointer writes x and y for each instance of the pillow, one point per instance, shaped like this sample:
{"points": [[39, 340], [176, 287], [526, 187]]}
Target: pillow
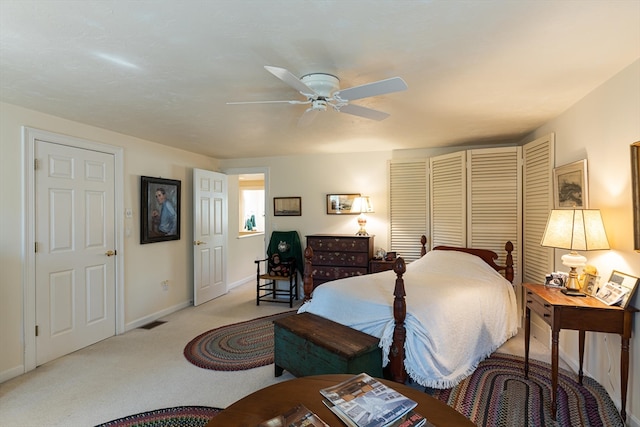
{"points": [[276, 268]]}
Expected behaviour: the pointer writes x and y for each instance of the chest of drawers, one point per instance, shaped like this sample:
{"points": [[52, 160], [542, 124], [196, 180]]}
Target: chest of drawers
{"points": [[337, 256]]}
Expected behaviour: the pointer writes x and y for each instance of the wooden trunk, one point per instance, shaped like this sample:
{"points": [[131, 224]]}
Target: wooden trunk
{"points": [[306, 344]]}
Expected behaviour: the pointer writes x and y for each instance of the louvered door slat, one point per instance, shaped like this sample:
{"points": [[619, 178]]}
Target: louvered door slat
{"points": [[448, 199], [538, 201], [407, 206]]}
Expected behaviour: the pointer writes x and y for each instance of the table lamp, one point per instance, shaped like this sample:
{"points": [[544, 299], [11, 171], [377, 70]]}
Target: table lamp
{"points": [[362, 205], [575, 230]]}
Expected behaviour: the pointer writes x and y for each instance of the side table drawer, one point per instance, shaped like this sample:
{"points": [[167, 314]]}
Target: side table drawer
{"points": [[539, 306]]}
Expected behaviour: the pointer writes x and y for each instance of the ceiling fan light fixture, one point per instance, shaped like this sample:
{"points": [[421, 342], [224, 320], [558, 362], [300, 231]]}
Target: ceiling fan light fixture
{"points": [[323, 84], [319, 105]]}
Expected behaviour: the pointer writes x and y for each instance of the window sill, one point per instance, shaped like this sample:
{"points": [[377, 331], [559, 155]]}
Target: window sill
{"points": [[245, 234]]}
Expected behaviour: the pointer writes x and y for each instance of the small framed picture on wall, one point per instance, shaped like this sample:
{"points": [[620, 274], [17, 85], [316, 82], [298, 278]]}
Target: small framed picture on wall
{"points": [[570, 187]]}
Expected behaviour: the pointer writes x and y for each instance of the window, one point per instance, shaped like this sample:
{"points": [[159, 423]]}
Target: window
{"points": [[251, 204]]}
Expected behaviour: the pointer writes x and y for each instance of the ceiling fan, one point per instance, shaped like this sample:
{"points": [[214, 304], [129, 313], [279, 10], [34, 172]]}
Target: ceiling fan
{"points": [[322, 90]]}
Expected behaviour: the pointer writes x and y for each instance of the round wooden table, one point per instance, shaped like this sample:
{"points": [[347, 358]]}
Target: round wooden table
{"points": [[276, 399]]}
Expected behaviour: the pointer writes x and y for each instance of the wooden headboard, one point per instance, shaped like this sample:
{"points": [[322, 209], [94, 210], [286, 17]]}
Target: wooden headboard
{"points": [[489, 257]]}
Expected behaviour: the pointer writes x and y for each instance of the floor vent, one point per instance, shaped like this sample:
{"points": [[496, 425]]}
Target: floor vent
{"points": [[153, 324]]}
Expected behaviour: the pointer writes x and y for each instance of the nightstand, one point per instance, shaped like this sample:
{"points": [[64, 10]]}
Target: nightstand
{"points": [[581, 314], [378, 265]]}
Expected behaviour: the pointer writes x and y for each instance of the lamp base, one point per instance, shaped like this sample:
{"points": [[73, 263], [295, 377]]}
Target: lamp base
{"points": [[362, 222], [573, 293]]}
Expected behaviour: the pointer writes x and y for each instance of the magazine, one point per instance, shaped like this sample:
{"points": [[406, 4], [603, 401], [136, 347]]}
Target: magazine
{"points": [[611, 293], [366, 402], [410, 419], [298, 416]]}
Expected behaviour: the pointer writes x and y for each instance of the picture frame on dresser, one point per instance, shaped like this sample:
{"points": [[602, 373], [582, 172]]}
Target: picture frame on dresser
{"points": [[340, 204], [590, 286], [570, 186], [626, 281]]}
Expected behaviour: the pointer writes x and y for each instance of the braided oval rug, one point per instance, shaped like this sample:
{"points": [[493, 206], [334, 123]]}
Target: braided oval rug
{"points": [[180, 416], [497, 394], [236, 347]]}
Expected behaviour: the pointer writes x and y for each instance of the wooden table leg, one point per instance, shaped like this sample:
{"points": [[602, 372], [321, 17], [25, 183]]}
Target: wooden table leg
{"points": [[581, 354], [555, 333], [624, 376], [527, 334]]}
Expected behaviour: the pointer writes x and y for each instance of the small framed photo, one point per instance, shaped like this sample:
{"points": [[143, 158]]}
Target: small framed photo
{"points": [[340, 204], [570, 189], [287, 206], [627, 282], [590, 284], [159, 209]]}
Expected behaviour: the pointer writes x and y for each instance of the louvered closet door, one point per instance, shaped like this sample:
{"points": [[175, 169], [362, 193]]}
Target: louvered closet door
{"points": [[448, 200], [538, 163], [408, 206], [494, 200]]}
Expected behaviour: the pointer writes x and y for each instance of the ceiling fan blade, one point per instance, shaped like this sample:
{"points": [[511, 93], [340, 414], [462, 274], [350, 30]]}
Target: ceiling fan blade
{"points": [[365, 112], [394, 84], [290, 79], [307, 117], [268, 102]]}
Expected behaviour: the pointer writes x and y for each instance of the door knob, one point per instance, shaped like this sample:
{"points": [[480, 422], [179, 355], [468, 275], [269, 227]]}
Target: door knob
{"points": [[198, 242], [110, 253]]}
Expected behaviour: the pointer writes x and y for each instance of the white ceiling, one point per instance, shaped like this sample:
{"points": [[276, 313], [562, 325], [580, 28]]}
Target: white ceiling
{"points": [[163, 70]]}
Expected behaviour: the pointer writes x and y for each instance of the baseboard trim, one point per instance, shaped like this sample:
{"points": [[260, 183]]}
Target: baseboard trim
{"points": [[11, 373], [157, 315]]}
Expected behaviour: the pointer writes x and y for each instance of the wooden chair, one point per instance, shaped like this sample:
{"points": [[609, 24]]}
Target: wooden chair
{"points": [[282, 264]]}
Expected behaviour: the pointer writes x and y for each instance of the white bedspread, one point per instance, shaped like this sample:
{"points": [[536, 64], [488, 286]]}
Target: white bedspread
{"points": [[459, 310]]}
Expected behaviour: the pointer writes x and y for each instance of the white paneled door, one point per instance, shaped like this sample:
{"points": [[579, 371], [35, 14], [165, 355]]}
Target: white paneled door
{"points": [[75, 249], [209, 235]]}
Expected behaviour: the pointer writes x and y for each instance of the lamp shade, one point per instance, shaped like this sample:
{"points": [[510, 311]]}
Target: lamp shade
{"points": [[362, 204], [576, 230]]}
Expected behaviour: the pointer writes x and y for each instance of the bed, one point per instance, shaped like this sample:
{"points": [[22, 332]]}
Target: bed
{"points": [[458, 311]]}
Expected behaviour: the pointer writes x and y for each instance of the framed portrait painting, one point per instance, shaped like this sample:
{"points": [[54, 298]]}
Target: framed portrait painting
{"points": [[159, 209], [570, 189]]}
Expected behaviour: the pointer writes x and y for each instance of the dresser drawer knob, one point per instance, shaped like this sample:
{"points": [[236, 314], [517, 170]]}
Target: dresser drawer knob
{"points": [[546, 315], [529, 301], [547, 305]]}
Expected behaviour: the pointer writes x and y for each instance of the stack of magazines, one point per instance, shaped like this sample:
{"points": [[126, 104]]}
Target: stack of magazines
{"points": [[611, 293], [363, 401]]}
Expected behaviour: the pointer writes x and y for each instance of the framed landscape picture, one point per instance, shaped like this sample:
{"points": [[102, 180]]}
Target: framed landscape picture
{"points": [[570, 190], [287, 206], [340, 204], [159, 209]]}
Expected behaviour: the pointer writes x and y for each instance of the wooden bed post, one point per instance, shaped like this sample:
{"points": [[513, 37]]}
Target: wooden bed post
{"points": [[396, 352], [508, 271], [307, 278], [423, 243]]}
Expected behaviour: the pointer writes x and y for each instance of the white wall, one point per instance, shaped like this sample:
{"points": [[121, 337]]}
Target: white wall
{"points": [[601, 128], [312, 177], [145, 266]]}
